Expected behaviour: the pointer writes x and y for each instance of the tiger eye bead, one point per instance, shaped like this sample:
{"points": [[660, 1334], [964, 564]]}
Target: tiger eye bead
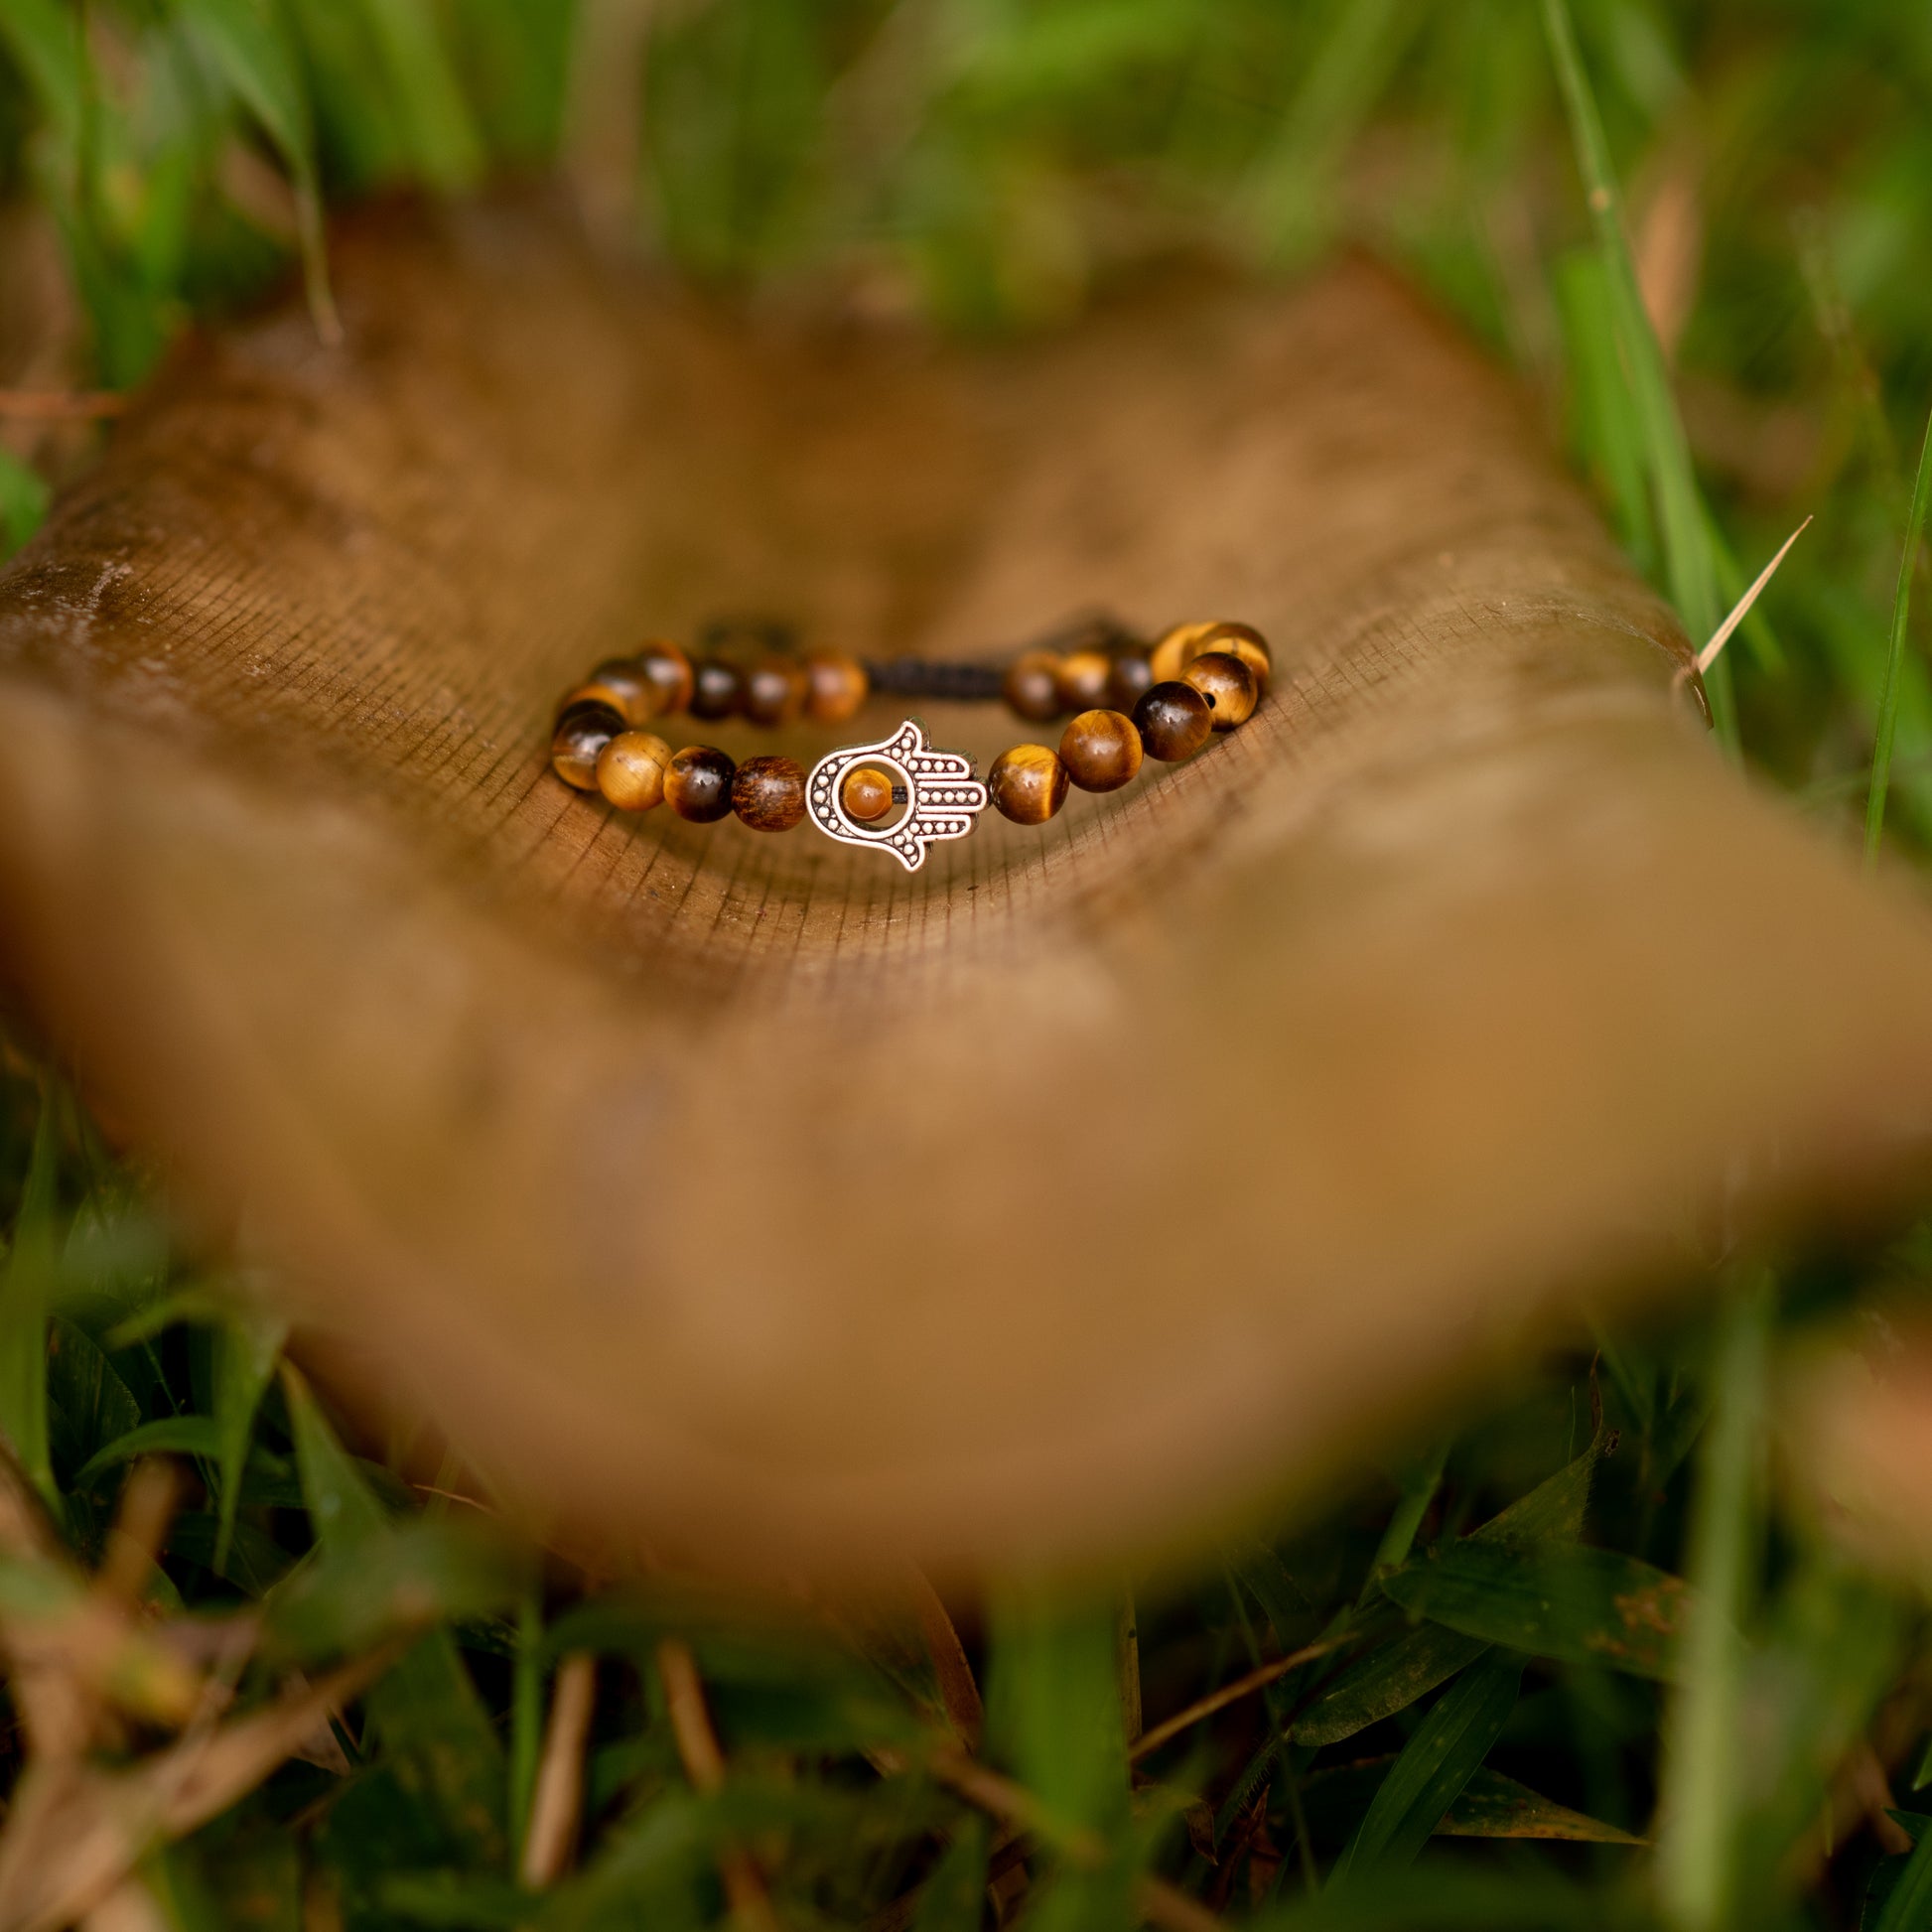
{"points": [[717, 689], [774, 691], [1101, 751], [1033, 685], [1173, 720], [668, 672], [697, 784], [1027, 783], [1169, 654], [581, 736], [1130, 675], [867, 794], [621, 685], [769, 794], [1082, 680], [631, 770], [1240, 640], [1227, 684], [835, 687]]}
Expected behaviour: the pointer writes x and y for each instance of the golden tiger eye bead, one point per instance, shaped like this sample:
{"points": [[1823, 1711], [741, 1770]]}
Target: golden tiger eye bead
{"points": [[621, 685], [668, 672], [1169, 654], [774, 691], [717, 689], [1033, 685], [581, 736], [1130, 675], [1228, 686], [697, 784], [1101, 751], [1240, 640], [631, 770], [836, 686], [1082, 680], [1173, 720], [867, 794], [1027, 783], [769, 794]]}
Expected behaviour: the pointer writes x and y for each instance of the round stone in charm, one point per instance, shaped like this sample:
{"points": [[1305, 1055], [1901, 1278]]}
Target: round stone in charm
{"points": [[943, 800]]}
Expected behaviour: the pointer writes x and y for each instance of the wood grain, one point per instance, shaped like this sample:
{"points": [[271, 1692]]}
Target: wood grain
{"points": [[753, 1196]]}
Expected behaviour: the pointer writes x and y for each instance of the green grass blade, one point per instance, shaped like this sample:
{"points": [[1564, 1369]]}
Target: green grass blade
{"points": [[1700, 1796], [1438, 1761], [246, 1349], [1874, 810], [1908, 1907], [1292, 186], [1582, 1606], [446, 1753], [165, 1436], [955, 1894], [251, 43], [26, 1289], [1681, 513], [24, 498], [526, 1705]]}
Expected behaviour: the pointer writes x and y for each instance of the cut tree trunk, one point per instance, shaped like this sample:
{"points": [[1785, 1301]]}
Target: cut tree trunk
{"points": [[745, 1194]]}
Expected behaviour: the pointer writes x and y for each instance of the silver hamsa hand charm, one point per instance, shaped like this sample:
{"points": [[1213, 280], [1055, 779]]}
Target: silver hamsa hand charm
{"points": [[942, 797]]}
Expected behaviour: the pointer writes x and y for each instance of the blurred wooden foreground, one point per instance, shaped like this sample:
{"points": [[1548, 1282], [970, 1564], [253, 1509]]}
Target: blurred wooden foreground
{"points": [[749, 1197]]}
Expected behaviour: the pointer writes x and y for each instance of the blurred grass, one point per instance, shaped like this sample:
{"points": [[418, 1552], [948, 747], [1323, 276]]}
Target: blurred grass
{"points": [[1698, 232]]}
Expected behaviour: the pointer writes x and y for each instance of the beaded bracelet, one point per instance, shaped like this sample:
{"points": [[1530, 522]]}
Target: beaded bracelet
{"points": [[1162, 701]]}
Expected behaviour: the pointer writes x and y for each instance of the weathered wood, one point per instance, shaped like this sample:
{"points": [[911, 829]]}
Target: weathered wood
{"points": [[747, 1192]]}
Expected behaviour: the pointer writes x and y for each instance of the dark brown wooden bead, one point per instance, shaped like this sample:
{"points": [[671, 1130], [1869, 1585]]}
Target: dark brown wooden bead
{"points": [[670, 675], [1228, 686], [581, 733], [836, 686], [1130, 676], [1169, 654], [1033, 685], [769, 794], [867, 794], [1027, 783], [631, 770], [717, 689], [1082, 679], [697, 784], [1173, 720], [1101, 751], [621, 685], [1240, 640], [774, 690]]}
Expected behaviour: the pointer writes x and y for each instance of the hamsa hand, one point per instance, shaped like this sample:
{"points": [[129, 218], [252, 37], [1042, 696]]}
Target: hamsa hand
{"points": [[943, 800]]}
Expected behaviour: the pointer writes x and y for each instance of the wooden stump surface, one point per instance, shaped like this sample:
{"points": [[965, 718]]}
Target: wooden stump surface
{"points": [[749, 1196]]}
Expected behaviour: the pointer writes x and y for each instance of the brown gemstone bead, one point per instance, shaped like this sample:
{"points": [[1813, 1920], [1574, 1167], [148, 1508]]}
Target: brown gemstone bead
{"points": [[581, 735], [631, 770], [1033, 685], [1027, 783], [697, 784], [774, 691], [1082, 680], [1173, 720], [717, 689], [1240, 640], [769, 794], [1101, 751], [1130, 675], [621, 685], [1227, 684], [1170, 654], [867, 794], [835, 687], [670, 673]]}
